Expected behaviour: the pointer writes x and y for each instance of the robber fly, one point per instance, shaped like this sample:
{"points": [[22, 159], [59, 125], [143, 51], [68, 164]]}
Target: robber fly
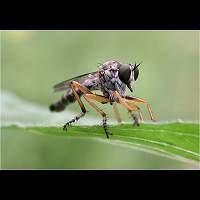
{"points": [[111, 78]]}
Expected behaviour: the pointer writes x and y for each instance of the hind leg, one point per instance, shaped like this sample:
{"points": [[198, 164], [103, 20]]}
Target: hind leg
{"points": [[73, 87], [88, 95]]}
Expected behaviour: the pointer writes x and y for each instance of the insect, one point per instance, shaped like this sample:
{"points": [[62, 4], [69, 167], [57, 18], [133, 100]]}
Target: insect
{"points": [[112, 78]]}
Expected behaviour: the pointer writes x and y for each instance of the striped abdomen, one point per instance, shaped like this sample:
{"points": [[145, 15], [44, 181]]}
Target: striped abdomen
{"points": [[65, 100]]}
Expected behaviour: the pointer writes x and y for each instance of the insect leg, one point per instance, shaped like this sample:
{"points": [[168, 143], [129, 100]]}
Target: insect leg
{"points": [[138, 108], [116, 111], [101, 99], [89, 95], [139, 100], [73, 87], [128, 107]]}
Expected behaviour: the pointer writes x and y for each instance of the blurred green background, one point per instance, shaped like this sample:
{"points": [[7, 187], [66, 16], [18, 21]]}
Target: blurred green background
{"points": [[33, 61]]}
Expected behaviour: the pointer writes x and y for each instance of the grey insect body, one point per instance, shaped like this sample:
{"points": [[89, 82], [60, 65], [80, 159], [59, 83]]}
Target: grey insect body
{"points": [[106, 79], [111, 79]]}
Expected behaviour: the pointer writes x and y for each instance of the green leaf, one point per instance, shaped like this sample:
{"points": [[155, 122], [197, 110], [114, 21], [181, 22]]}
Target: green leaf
{"points": [[176, 139]]}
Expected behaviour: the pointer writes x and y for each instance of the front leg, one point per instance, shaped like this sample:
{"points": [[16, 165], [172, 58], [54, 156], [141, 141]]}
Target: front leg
{"points": [[130, 108], [135, 119], [139, 100]]}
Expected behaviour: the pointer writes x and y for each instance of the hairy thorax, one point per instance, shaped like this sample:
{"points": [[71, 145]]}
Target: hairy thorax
{"points": [[109, 80]]}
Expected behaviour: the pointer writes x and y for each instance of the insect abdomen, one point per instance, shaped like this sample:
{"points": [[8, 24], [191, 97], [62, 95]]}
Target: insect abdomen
{"points": [[62, 103]]}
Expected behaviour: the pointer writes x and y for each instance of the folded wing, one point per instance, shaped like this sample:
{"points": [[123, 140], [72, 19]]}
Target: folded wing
{"points": [[65, 85]]}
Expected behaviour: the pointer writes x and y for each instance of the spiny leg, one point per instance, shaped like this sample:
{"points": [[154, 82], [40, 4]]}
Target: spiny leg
{"points": [[128, 107], [135, 119], [139, 100], [73, 87], [73, 120], [101, 99], [116, 111], [98, 98], [138, 108]]}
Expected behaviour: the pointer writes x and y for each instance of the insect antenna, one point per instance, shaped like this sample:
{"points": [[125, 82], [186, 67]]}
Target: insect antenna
{"points": [[137, 65]]}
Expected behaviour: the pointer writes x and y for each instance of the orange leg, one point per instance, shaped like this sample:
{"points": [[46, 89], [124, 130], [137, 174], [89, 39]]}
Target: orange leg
{"points": [[123, 101], [88, 95], [139, 111], [73, 87], [131, 108], [88, 98], [139, 100]]}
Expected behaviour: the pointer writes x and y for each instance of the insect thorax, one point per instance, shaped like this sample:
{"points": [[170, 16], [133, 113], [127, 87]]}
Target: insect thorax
{"points": [[109, 79]]}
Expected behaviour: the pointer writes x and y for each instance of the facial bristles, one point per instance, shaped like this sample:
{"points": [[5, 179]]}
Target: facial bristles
{"points": [[136, 66]]}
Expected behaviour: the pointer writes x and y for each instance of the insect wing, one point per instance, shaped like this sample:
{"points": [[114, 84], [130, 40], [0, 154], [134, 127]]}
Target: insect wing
{"points": [[65, 85]]}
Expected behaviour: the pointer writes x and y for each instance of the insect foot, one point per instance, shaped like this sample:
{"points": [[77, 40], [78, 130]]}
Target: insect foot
{"points": [[72, 121], [106, 127], [65, 126], [135, 119], [69, 123]]}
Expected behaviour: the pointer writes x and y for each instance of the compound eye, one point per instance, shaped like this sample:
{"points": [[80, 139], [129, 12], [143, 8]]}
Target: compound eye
{"points": [[136, 73], [124, 73]]}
